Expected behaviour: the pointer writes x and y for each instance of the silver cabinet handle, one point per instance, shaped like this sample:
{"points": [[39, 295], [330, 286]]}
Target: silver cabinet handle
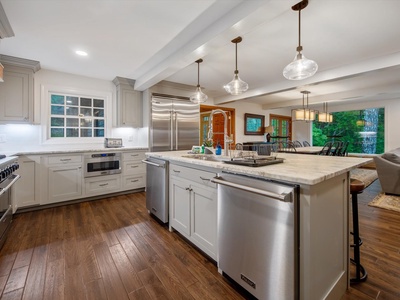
{"points": [[134, 166], [153, 164], [136, 180], [65, 159], [104, 184], [176, 171], [281, 197], [206, 179]]}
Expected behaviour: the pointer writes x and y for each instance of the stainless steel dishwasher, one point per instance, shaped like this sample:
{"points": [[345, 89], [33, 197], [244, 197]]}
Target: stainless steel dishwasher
{"points": [[157, 199], [258, 235]]}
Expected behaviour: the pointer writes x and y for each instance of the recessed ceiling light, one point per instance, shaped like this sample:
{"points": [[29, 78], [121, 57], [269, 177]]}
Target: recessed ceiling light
{"points": [[81, 53]]}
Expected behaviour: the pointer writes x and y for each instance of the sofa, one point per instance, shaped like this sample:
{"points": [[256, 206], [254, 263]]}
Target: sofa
{"points": [[388, 169]]}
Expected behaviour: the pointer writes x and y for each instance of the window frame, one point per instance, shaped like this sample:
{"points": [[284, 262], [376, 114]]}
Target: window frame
{"points": [[47, 91]]}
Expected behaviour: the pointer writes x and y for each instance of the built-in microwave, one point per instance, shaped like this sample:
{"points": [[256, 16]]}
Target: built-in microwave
{"points": [[99, 164]]}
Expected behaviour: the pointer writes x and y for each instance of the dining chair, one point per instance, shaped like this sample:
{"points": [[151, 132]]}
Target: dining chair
{"points": [[336, 148], [306, 144], [297, 144], [326, 149], [343, 151]]}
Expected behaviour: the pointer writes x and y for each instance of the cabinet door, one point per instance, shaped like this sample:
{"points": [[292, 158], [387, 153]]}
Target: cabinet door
{"points": [[65, 183], [204, 218], [179, 197], [26, 188], [131, 108], [16, 96]]}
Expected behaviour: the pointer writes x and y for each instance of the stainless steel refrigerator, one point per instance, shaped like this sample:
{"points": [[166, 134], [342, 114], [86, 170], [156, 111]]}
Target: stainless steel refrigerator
{"points": [[174, 124]]}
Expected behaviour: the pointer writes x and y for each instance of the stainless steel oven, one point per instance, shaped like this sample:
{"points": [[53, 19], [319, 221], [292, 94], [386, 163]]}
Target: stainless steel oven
{"points": [[99, 164], [7, 179]]}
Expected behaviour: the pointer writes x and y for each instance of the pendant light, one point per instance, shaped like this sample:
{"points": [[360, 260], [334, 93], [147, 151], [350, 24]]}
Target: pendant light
{"points": [[198, 96], [325, 116], [1, 73], [236, 86], [300, 67], [304, 114]]}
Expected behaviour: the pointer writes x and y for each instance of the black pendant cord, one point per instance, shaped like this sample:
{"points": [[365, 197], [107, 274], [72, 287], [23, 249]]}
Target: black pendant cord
{"points": [[198, 74], [236, 71], [300, 31]]}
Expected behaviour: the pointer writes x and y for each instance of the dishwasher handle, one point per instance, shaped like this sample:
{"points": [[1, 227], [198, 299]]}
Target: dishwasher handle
{"points": [[285, 197], [153, 164]]}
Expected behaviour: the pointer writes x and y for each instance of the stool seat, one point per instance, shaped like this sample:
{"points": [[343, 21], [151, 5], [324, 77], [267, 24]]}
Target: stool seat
{"points": [[356, 186]]}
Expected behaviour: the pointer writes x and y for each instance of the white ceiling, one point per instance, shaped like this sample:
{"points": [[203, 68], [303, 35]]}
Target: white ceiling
{"points": [[355, 43]]}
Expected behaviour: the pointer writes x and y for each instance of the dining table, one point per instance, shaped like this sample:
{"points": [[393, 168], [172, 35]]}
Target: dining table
{"points": [[304, 150]]}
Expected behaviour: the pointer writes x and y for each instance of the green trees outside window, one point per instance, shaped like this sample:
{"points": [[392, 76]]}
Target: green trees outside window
{"points": [[364, 129]]}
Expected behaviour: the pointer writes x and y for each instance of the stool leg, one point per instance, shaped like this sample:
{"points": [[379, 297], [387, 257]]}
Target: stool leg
{"points": [[361, 274]]}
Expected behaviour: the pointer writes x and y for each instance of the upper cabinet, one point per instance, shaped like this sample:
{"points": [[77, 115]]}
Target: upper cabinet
{"points": [[129, 103], [16, 92]]}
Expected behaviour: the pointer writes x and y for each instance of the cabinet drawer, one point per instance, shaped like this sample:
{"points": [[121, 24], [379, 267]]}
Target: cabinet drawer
{"points": [[102, 184], [133, 167], [133, 156], [134, 181], [52, 160], [198, 176]]}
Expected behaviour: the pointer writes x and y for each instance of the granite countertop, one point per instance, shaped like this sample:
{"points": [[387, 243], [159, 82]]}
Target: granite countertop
{"points": [[296, 168], [55, 150]]}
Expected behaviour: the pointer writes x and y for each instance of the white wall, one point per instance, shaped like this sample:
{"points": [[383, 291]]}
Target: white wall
{"points": [[21, 137]]}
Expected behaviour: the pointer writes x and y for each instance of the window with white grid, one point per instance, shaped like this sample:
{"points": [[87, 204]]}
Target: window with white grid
{"points": [[75, 116]]}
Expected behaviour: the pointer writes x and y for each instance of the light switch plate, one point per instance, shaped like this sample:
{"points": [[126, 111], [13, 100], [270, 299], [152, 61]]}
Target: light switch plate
{"points": [[3, 138]]}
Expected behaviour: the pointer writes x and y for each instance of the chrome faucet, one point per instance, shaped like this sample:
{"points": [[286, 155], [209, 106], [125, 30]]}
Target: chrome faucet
{"points": [[210, 129]]}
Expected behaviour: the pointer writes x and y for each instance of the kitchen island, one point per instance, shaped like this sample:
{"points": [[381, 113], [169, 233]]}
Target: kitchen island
{"points": [[323, 212]]}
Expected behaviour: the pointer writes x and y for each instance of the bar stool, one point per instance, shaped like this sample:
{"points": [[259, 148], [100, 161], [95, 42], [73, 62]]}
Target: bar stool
{"points": [[356, 187]]}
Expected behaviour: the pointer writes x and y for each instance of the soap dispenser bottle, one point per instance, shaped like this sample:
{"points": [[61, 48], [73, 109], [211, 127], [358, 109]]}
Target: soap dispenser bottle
{"points": [[218, 149]]}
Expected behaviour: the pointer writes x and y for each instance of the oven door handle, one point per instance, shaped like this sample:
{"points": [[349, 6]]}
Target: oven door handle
{"points": [[153, 164], [13, 178]]}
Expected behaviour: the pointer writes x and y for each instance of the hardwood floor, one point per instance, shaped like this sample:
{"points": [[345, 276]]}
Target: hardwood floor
{"points": [[112, 249]]}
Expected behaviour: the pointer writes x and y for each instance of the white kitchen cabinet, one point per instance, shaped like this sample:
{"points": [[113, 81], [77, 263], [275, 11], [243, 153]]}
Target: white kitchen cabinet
{"points": [[64, 178], [102, 185], [16, 92], [129, 103], [133, 170], [27, 189], [193, 207]]}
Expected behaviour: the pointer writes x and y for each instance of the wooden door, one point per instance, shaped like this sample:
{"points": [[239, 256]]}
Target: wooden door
{"points": [[282, 127]]}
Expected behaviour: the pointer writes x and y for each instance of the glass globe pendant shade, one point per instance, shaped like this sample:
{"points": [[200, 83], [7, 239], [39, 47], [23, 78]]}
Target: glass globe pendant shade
{"points": [[300, 68], [198, 96], [236, 86]]}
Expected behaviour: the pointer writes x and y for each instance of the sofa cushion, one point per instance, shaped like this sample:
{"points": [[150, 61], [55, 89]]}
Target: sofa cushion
{"points": [[392, 156]]}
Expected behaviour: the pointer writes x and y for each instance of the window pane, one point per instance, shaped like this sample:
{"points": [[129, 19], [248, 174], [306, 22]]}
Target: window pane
{"points": [[86, 102], [86, 132], [72, 122], [99, 132], [57, 110], [98, 112], [72, 111], [57, 99], [72, 132], [98, 103], [57, 132], [86, 112], [98, 123], [86, 123], [57, 122], [72, 100]]}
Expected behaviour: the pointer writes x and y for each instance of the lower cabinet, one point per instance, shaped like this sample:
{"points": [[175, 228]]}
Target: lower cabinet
{"points": [[102, 184], [193, 207], [26, 189], [65, 183]]}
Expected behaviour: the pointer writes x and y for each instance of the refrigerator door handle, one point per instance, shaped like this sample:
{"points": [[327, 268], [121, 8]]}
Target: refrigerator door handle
{"points": [[171, 120], [176, 130]]}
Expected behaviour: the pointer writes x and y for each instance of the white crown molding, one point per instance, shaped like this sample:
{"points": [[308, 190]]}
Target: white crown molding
{"points": [[20, 62], [5, 26]]}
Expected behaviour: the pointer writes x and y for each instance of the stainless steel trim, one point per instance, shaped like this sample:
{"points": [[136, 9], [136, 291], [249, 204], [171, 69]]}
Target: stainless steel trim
{"points": [[9, 181], [282, 197], [153, 164]]}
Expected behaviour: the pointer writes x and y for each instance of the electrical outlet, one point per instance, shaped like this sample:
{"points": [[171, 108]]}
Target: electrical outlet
{"points": [[3, 138], [130, 139]]}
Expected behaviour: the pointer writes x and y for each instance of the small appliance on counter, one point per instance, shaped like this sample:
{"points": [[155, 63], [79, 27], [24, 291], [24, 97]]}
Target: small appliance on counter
{"points": [[113, 143]]}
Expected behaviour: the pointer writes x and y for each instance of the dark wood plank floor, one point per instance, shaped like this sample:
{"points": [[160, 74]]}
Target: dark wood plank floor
{"points": [[112, 249]]}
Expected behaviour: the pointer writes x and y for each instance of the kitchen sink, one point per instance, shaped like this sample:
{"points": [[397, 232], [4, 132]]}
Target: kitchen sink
{"points": [[206, 157]]}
